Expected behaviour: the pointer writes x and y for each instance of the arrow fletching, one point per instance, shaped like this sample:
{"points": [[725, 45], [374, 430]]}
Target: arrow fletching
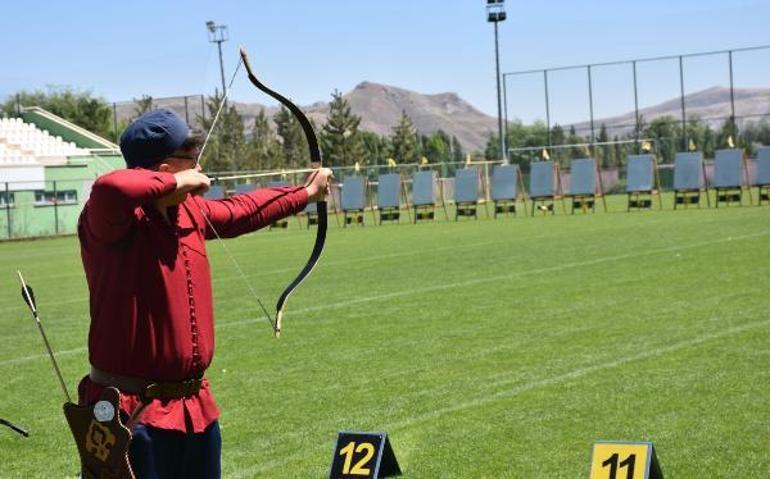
{"points": [[27, 294]]}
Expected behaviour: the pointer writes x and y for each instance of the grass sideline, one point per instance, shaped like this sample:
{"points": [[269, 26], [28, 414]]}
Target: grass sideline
{"points": [[484, 348]]}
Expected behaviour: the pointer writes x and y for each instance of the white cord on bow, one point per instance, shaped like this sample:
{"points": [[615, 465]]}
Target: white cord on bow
{"points": [[205, 217]]}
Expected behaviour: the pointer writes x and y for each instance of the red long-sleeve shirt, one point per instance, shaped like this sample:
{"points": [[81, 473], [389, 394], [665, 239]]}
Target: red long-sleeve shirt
{"points": [[150, 283]]}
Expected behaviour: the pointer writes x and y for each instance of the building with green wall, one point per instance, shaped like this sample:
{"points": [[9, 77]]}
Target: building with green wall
{"points": [[43, 194]]}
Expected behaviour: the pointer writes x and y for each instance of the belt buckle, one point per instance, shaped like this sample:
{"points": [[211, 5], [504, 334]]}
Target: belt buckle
{"points": [[194, 385]]}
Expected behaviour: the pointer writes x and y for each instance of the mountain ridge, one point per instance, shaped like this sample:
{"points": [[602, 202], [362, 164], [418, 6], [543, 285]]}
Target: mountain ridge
{"points": [[380, 107], [712, 105]]}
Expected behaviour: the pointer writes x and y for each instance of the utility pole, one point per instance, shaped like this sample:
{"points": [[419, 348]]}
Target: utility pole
{"points": [[496, 14], [219, 34]]}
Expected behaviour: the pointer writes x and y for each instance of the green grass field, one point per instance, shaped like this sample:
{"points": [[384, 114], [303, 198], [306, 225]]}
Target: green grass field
{"points": [[485, 349]]}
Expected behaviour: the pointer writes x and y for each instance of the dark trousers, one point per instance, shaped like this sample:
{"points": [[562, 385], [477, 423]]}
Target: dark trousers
{"points": [[162, 454]]}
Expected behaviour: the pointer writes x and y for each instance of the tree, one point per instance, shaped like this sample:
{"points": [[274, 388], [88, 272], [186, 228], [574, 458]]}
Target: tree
{"points": [[458, 154], [226, 149], [80, 107], [264, 150], [341, 141], [437, 147], [376, 147], [404, 141], [667, 135], [618, 151], [142, 105], [607, 156], [519, 136], [293, 141], [492, 148], [557, 135], [754, 134]]}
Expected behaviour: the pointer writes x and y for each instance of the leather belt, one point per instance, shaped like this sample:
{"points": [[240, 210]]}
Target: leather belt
{"points": [[146, 389]]}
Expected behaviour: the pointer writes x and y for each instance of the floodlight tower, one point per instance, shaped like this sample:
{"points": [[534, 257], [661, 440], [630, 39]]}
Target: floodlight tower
{"points": [[218, 34], [496, 14]]}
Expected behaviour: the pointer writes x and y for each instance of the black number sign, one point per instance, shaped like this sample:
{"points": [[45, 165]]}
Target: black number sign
{"points": [[360, 455]]}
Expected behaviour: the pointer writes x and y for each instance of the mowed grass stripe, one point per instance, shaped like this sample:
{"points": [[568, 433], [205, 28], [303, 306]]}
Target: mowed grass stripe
{"points": [[576, 320], [396, 346], [490, 397], [484, 386], [436, 288], [493, 279]]}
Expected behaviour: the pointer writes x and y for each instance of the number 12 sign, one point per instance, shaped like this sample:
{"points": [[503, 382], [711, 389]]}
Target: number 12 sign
{"points": [[363, 455], [624, 460]]}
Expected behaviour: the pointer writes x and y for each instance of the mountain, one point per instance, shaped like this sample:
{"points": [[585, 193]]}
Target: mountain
{"points": [[380, 108], [712, 105]]}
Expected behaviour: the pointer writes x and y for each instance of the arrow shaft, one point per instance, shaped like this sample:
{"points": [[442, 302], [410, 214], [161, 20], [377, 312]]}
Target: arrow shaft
{"points": [[33, 308]]}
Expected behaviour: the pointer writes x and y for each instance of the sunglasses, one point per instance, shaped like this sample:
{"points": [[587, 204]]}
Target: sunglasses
{"points": [[183, 157], [188, 157]]}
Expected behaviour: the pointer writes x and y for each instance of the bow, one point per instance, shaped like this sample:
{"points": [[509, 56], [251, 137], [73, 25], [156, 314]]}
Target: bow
{"points": [[315, 158]]}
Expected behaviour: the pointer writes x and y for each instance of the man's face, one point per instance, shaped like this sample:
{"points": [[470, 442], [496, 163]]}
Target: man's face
{"points": [[178, 161]]}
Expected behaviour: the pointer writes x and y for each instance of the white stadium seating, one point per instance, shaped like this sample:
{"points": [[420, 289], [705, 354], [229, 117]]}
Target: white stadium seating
{"points": [[24, 144]]}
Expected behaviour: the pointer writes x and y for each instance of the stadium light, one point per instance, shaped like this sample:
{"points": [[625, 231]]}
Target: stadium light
{"points": [[496, 14], [218, 34]]}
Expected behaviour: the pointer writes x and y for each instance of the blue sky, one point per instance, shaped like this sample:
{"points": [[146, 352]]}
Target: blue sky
{"points": [[307, 48]]}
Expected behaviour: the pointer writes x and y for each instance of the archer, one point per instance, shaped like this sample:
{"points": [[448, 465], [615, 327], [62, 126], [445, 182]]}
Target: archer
{"points": [[142, 234]]}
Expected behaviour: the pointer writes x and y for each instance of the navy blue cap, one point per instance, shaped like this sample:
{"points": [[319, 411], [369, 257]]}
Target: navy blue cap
{"points": [[152, 137]]}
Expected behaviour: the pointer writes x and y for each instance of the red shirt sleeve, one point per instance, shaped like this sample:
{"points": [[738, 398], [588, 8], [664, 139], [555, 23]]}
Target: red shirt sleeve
{"points": [[109, 212], [248, 212]]}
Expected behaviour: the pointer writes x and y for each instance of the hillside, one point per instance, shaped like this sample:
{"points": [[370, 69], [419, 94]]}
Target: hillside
{"points": [[380, 108], [712, 105]]}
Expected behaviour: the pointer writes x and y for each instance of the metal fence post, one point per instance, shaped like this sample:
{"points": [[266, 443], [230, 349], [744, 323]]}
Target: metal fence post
{"points": [[55, 209], [505, 115], [547, 107], [8, 209], [591, 110], [636, 107], [733, 128], [115, 121], [684, 113]]}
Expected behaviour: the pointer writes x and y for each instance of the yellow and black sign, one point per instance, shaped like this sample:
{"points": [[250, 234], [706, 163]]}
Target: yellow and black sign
{"points": [[359, 455], [624, 460]]}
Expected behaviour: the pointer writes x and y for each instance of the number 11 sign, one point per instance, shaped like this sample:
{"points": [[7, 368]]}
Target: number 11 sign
{"points": [[624, 460]]}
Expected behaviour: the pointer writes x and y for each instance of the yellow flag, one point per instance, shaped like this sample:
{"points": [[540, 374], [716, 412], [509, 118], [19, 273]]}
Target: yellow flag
{"points": [[545, 154], [357, 167], [646, 146], [730, 141], [692, 146], [391, 162]]}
